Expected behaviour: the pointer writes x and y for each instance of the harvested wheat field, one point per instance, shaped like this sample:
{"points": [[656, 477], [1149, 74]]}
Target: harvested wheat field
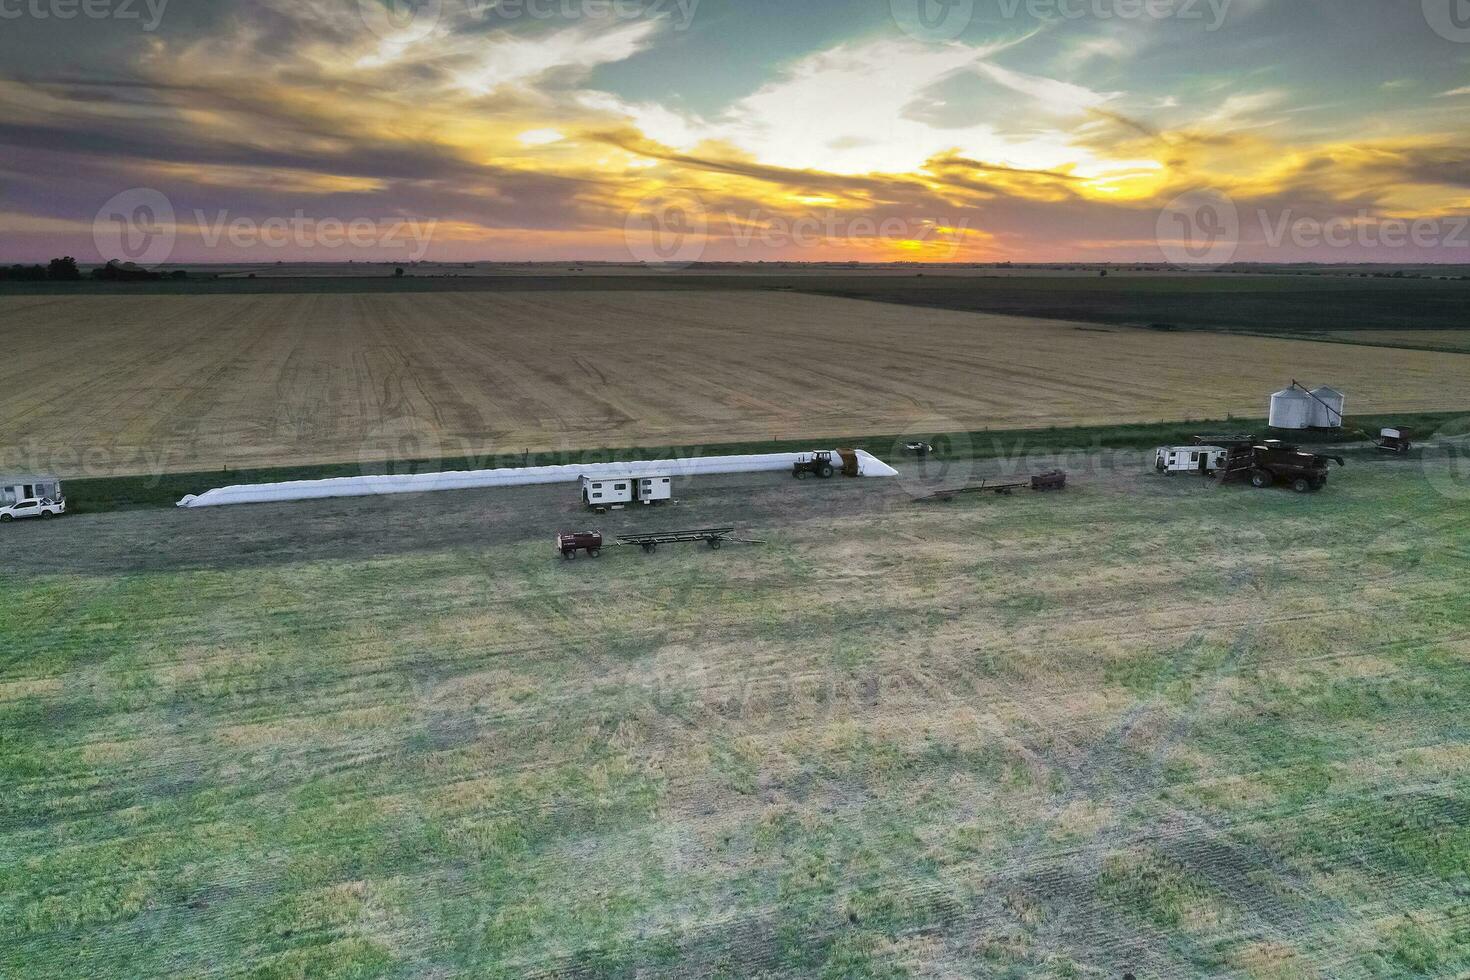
{"points": [[129, 384], [1147, 726]]}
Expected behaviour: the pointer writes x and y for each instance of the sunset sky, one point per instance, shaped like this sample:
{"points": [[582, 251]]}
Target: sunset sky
{"points": [[771, 129]]}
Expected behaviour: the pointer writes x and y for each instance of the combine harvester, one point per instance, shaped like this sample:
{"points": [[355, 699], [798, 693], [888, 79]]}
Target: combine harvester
{"points": [[867, 465]]}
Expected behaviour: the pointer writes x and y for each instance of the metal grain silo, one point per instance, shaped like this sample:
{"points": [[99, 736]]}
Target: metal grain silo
{"points": [[1327, 406], [1291, 408]]}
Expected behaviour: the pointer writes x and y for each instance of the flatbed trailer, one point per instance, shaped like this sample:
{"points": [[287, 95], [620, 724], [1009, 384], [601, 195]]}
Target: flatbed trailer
{"points": [[716, 536], [1044, 483]]}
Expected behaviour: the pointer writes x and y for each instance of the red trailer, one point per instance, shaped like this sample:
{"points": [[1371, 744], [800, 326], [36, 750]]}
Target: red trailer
{"points": [[571, 542]]}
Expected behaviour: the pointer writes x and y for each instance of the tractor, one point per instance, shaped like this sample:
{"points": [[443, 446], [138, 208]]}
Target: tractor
{"points": [[818, 465]]}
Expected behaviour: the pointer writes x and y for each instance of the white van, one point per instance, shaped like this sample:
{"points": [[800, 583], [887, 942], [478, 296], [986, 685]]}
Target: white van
{"points": [[1204, 460]]}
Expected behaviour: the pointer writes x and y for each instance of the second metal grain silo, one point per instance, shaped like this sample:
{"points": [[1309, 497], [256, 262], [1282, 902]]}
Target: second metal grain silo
{"points": [[1291, 408], [1327, 408]]}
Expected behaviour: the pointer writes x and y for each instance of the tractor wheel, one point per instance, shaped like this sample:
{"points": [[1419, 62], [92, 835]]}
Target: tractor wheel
{"points": [[571, 554], [1260, 479], [826, 472], [595, 552], [1302, 485], [800, 474]]}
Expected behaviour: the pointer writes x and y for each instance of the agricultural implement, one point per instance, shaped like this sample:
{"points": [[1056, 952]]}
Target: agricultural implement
{"points": [[1394, 441], [716, 536], [1044, 483], [1268, 463], [824, 464], [571, 542]]}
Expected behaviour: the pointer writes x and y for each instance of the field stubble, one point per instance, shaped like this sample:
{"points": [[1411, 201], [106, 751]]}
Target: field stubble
{"points": [[1148, 725], [154, 384]]}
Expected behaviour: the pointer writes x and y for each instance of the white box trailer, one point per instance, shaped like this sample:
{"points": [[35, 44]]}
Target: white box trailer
{"points": [[14, 489], [602, 493], [653, 489], [30, 496], [1189, 459]]}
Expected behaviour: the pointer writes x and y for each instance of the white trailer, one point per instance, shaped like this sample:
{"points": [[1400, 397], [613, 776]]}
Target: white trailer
{"points": [[602, 493], [653, 489], [14, 489], [1204, 460], [30, 496]]}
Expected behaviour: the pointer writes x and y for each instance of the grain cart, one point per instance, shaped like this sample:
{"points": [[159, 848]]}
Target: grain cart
{"points": [[1268, 463], [571, 542], [1394, 441]]}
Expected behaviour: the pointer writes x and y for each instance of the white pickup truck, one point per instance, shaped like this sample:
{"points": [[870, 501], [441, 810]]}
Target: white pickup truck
{"points": [[44, 508]]}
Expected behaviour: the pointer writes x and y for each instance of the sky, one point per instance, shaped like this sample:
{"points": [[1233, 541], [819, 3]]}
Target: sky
{"points": [[1203, 131]]}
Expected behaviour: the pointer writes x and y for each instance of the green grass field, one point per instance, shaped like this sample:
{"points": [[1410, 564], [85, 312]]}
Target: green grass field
{"points": [[102, 494], [1291, 301], [1150, 725]]}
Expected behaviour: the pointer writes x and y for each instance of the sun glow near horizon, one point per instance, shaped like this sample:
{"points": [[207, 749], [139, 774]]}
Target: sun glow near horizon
{"points": [[1052, 139]]}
